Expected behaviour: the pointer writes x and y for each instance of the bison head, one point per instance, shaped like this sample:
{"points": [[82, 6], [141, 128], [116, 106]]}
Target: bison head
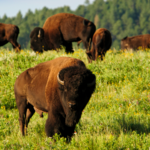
{"points": [[76, 85], [37, 39], [125, 43]]}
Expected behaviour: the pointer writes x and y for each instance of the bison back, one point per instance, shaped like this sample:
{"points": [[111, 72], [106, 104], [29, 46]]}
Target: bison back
{"points": [[71, 27]]}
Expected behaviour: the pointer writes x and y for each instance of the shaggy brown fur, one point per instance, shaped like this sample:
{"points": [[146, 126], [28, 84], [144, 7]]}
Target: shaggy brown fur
{"points": [[134, 42], [62, 29], [9, 33], [101, 42], [38, 87]]}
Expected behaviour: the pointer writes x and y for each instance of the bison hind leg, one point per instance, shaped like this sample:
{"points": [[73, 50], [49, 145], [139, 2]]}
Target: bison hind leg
{"points": [[29, 113], [22, 107]]}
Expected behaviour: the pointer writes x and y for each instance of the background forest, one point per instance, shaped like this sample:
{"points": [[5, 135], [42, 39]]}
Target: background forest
{"points": [[121, 17]]}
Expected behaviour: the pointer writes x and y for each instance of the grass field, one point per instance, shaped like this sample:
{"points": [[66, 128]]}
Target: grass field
{"points": [[117, 116]]}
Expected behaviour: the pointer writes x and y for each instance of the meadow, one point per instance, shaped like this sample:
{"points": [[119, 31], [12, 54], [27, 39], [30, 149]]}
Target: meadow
{"points": [[117, 116]]}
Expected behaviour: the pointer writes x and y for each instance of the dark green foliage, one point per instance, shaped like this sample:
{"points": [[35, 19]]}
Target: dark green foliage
{"points": [[122, 18]]}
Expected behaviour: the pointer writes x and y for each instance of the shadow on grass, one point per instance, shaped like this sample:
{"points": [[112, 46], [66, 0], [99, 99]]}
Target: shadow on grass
{"points": [[128, 124]]}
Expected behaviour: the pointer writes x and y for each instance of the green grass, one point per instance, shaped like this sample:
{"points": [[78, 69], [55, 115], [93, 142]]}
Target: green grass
{"points": [[117, 116]]}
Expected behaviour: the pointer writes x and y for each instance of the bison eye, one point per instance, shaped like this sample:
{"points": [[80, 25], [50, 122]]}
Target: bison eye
{"points": [[72, 105]]}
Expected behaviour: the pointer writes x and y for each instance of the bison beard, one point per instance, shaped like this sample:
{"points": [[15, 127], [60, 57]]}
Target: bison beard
{"points": [[61, 87]]}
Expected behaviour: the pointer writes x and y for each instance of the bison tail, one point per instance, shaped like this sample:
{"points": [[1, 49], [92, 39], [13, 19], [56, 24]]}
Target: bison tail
{"points": [[87, 22], [16, 29]]}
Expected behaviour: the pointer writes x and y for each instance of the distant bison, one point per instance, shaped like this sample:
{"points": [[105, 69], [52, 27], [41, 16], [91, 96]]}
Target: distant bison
{"points": [[134, 42], [61, 87], [62, 29], [101, 42], [9, 33]]}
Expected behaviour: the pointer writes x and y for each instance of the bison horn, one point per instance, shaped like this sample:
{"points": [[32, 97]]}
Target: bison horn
{"points": [[39, 35], [91, 84], [60, 81]]}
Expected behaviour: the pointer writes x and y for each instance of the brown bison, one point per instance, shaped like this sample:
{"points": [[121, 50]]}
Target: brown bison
{"points": [[134, 42], [101, 42], [61, 87], [9, 33], [62, 29]]}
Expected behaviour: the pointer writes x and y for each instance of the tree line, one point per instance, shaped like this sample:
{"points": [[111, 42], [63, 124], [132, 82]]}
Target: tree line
{"points": [[121, 17]]}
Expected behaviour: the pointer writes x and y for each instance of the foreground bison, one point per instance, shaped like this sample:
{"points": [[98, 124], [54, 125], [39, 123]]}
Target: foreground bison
{"points": [[62, 29], [61, 87], [9, 33], [134, 42], [101, 42]]}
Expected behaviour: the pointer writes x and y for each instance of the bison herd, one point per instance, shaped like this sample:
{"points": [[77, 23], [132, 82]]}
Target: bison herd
{"points": [[64, 28], [61, 30], [61, 87]]}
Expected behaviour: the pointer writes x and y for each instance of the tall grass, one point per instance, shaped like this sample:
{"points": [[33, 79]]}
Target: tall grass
{"points": [[117, 116]]}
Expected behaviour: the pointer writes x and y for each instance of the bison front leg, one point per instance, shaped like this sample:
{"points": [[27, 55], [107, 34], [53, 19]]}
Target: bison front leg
{"points": [[16, 46], [17, 49], [102, 55], [69, 48], [96, 54], [51, 126], [87, 44], [56, 124], [78, 43], [89, 56]]}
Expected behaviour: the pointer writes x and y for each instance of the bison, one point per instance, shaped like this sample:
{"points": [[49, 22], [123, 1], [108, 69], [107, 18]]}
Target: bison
{"points": [[61, 87], [62, 29], [9, 33], [134, 42], [101, 42]]}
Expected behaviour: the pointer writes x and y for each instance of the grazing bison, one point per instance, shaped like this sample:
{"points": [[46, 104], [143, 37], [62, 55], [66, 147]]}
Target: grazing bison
{"points": [[61, 87], [135, 42], [9, 33], [62, 29], [101, 42]]}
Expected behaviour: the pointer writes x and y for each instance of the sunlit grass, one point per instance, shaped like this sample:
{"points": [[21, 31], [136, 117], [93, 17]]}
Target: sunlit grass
{"points": [[116, 117]]}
